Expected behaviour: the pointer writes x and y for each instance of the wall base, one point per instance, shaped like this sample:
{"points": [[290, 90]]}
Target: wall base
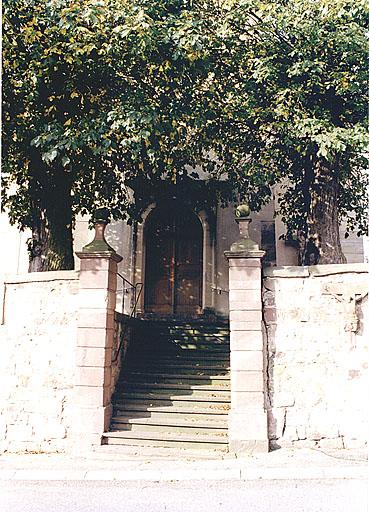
{"points": [[244, 448]]}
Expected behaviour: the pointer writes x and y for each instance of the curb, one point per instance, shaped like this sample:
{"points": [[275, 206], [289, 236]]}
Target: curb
{"points": [[244, 474]]}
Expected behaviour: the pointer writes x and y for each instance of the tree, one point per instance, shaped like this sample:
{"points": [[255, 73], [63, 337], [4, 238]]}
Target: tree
{"points": [[294, 111], [55, 111], [102, 96], [97, 95]]}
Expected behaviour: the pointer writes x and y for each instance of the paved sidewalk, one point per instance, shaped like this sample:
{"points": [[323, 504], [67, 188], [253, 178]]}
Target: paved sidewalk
{"points": [[284, 464]]}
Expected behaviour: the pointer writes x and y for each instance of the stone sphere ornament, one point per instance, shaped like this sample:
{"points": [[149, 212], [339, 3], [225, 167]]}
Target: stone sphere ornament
{"points": [[243, 211], [244, 244]]}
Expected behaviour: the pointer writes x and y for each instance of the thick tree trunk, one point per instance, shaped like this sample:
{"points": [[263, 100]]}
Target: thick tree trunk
{"points": [[59, 213], [51, 247], [37, 246], [323, 244], [59, 254]]}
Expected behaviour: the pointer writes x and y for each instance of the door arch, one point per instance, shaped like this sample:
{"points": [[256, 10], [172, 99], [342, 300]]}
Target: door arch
{"points": [[173, 266]]}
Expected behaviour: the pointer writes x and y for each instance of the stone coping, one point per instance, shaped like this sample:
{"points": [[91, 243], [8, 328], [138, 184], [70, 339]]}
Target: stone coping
{"points": [[84, 255], [316, 270], [36, 277]]}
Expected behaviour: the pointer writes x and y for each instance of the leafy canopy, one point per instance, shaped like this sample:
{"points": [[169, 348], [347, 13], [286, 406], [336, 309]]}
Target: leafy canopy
{"points": [[98, 93], [294, 102]]}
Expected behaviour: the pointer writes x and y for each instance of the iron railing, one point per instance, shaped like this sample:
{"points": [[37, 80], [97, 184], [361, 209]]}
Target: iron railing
{"points": [[135, 290]]}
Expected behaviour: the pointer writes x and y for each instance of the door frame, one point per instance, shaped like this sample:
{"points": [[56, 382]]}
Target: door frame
{"points": [[208, 259], [185, 237]]}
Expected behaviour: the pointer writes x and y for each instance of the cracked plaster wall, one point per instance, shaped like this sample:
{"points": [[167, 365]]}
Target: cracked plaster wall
{"points": [[316, 336]]}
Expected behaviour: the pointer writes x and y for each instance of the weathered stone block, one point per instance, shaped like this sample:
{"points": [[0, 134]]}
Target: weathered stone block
{"points": [[94, 396], [54, 430], [98, 264], [96, 318], [284, 399], [244, 278], [247, 360], [247, 381], [96, 299], [331, 443], [270, 315], [20, 432], [92, 420], [93, 376], [276, 422], [95, 337], [253, 296], [246, 340], [243, 448], [90, 279], [93, 356], [244, 316], [246, 326], [245, 400], [245, 262], [248, 425]]}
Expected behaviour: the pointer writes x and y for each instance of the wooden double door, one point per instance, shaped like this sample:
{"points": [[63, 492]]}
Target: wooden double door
{"points": [[173, 267]]}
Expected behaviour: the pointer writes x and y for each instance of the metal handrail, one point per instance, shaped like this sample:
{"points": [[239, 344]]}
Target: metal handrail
{"points": [[137, 290], [125, 290]]}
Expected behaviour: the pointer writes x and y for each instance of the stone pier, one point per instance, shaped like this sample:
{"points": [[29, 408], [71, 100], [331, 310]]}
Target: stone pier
{"points": [[248, 431], [95, 333]]}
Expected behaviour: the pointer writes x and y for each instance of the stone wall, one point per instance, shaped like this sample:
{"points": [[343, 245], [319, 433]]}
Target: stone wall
{"points": [[37, 361], [316, 337]]}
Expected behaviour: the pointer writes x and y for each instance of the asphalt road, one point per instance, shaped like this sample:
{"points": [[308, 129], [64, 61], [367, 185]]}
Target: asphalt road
{"points": [[199, 496]]}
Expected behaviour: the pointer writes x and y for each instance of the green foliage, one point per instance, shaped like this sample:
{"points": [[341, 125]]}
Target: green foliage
{"points": [[96, 93], [99, 95], [295, 102]]}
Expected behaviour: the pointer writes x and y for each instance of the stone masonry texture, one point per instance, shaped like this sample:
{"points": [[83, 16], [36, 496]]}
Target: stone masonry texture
{"points": [[37, 361], [316, 338]]}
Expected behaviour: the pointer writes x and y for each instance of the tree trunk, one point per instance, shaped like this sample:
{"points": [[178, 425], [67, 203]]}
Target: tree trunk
{"points": [[323, 244], [59, 255], [51, 246], [37, 246]]}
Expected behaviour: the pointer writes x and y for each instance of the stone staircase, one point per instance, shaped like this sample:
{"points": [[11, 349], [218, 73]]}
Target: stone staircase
{"points": [[174, 389]]}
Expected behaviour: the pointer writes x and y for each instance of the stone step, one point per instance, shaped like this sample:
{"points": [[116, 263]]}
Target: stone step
{"points": [[207, 345], [168, 431], [185, 406], [156, 439], [123, 385], [173, 419], [189, 349], [181, 358], [173, 370], [119, 452], [211, 376], [200, 396], [201, 326], [175, 391], [184, 365], [189, 356], [187, 448], [222, 381], [191, 331], [195, 338]]}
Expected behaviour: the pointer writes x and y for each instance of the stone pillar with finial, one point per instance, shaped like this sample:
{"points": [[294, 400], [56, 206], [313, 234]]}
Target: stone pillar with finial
{"points": [[248, 431], [97, 299]]}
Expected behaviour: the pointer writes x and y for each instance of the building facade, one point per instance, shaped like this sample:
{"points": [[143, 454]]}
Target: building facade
{"points": [[176, 253]]}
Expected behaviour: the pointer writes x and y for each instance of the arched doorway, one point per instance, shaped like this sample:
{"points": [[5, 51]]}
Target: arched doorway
{"points": [[173, 267]]}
